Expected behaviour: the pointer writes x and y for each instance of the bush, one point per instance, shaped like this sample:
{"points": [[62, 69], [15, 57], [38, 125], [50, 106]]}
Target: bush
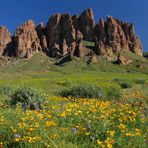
{"points": [[83, 91], [28, 97], [5, 90], [114, 93], [125, 84], [140, 81]]}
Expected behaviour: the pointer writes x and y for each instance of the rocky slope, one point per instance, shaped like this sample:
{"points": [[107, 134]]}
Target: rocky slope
{"points": [[64, 34]]}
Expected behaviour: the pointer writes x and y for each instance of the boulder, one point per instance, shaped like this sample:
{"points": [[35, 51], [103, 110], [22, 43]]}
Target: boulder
{"points": [[93, 59], [123, 60], [26, 40], [5, 39], [102, 49]]}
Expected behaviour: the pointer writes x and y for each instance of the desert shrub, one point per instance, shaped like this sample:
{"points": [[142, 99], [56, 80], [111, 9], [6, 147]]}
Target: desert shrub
{"points": [[28, 97], [140, 81], [83, 91], [5, 90], [125, 84], [114, 93]]}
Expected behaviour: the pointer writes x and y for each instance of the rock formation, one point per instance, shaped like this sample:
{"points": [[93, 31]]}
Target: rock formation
{"points": [[26, 40], [64, 35], [87, 24], [5, 39], [42, 37], [114, 35], [123, 60], [93, 59]]}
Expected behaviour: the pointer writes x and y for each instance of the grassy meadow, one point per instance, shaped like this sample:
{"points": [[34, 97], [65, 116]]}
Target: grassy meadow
{"points": [[116, 118]]}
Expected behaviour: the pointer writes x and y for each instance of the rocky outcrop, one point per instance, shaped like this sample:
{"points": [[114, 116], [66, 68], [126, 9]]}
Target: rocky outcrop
{"points": [[87, 24], [113, 35], [133, 40], [64, 34], [26, 40], [5, 39], [93, 59], [62, 37], [123, 60], [42, 36]]}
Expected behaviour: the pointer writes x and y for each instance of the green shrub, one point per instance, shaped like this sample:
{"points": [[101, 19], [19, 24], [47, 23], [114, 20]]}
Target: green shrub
{"points": [[114, 93], [28, 97], [140, 81], [5, 90], [125, 84], [83, 91]]}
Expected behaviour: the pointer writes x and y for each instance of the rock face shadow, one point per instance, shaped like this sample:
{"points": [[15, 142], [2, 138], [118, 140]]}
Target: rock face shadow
{"points": [[63, 60]]}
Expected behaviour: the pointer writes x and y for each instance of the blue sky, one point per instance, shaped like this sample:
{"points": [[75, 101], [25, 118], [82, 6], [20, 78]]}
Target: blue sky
{"points": [[15, 12]]}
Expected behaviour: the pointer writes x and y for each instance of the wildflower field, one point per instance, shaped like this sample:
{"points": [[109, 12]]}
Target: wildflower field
{"points": [[115, 118], [75, 123]]}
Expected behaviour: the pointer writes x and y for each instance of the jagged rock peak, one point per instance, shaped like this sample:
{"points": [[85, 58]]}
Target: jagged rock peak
{"points": [[26, 40], [114, 35], [63, 37], [87, 24], [5, 39]]}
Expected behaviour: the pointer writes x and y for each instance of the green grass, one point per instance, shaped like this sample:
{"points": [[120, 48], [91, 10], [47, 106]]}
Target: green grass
{"points": [[43, 75]]}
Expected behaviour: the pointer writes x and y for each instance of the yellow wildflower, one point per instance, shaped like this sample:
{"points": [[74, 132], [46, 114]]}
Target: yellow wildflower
{"points": [[63, 114], [128, 134], [64, 129], [50, 123], [55, 136], [122, 126], [99, 142], [17, 139], [111, 133]]}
